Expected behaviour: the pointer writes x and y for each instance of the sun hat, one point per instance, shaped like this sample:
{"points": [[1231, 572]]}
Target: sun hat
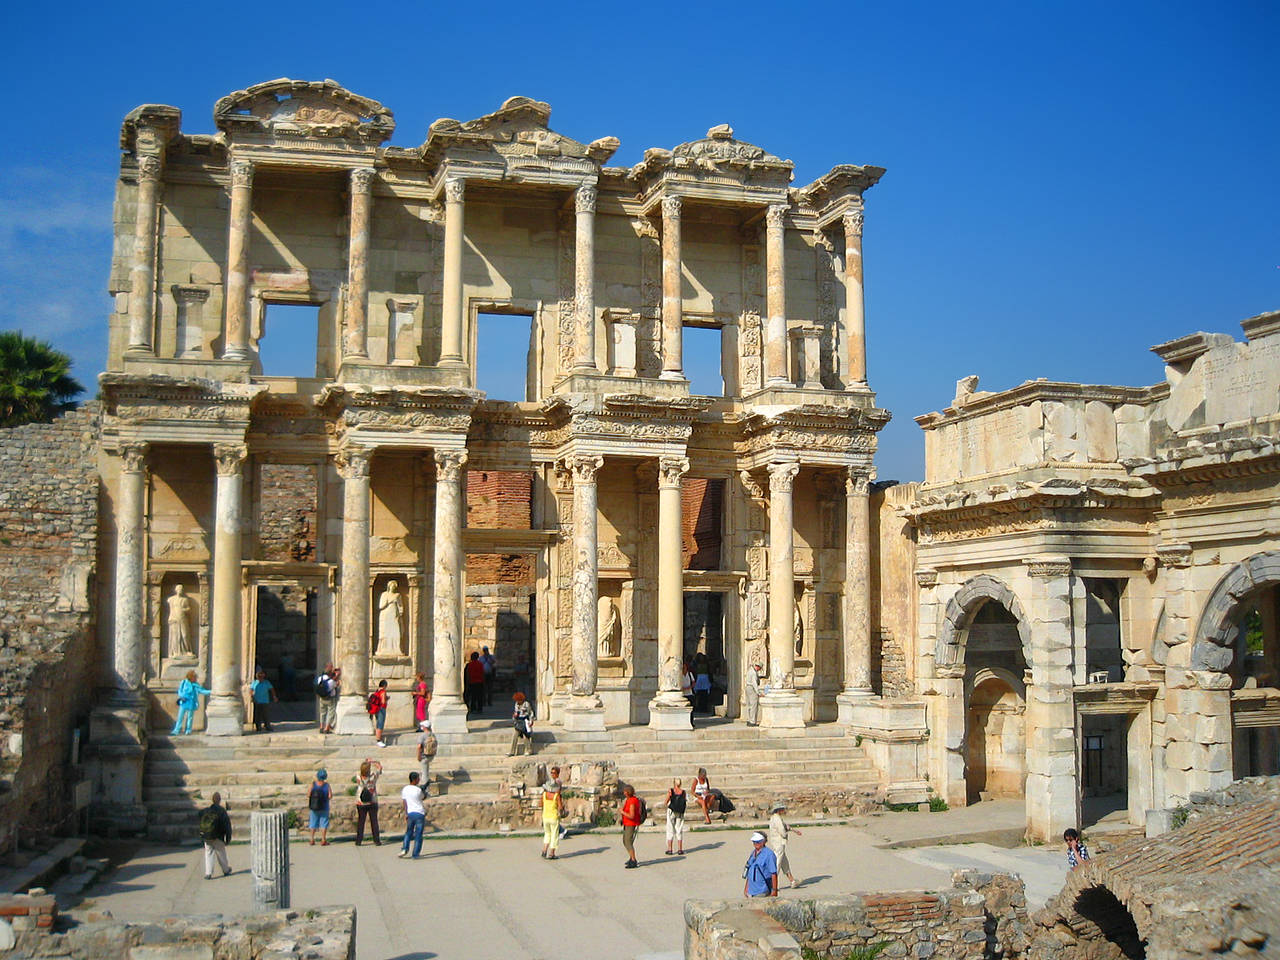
{"points": [[777, 806], [425, 725], [322, 774], [757, 837]]}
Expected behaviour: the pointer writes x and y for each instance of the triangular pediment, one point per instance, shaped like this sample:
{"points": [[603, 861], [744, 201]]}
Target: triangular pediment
{"points": [[321, 109]]}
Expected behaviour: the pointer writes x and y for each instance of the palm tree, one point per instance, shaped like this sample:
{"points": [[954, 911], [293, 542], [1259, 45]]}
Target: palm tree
{"points": [[35, 380]]}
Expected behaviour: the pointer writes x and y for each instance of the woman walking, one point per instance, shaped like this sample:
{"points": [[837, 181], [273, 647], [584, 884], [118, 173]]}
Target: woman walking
{"points": [[778, 831], [677, 799], [522, 719], [189, 693], [367, 800], [318, 803]]}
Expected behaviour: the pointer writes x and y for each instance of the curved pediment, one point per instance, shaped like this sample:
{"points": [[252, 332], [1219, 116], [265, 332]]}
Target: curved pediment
{"points": [[516, 129], [719, 146], [717, 156], [303, 108]]}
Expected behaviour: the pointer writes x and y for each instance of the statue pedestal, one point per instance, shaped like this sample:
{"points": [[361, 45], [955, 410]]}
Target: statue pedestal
{"points": [[781, 710], [848, 702], [353, 717], [224, 716], [669, 713], [584, 715], [448, 714]]}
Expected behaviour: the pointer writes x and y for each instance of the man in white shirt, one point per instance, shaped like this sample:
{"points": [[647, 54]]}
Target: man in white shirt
{"points": [[415, 815]]}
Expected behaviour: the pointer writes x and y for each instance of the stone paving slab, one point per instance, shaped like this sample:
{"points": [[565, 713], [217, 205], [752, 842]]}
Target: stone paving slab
{"points": [[473, 898]]}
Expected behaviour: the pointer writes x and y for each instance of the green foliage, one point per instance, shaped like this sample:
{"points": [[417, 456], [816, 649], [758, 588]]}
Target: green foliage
{"points": [[294, 820], [605, 818], [1180, 817], [937, 805], [857, 740], [351, 791], [869, 952], [900, 807], [35, 380], [1251, 627]]}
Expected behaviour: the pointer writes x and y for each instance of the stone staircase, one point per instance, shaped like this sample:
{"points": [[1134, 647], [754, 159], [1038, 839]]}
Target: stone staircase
{"points": [[818, 770]]}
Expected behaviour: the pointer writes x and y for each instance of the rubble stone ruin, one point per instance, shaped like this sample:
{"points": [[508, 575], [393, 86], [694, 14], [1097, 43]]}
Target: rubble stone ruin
{"points": [[1077, 604]]}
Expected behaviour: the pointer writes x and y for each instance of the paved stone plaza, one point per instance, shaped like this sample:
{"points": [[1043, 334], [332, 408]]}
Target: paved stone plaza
{"points": [[494, 897]]}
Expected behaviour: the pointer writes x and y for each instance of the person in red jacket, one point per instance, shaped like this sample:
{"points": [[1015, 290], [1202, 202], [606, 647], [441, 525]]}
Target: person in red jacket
{"points": [[630, 822], [473, 684]]}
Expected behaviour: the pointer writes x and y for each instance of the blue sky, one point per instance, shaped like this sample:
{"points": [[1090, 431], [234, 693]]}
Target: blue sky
{"points": [[1067, 184]]}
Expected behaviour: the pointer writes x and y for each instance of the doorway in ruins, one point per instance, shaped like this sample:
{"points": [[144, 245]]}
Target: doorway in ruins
{"points": [[704, 646], [995, 706], [285, 644], [1255, 684]]}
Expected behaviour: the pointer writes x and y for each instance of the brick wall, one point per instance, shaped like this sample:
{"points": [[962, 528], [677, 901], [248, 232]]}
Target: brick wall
{"points": [[48, 543], [499, 499], [702, 522], [287, 512]]}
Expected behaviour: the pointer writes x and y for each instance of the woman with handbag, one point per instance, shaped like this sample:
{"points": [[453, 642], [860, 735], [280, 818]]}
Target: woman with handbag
{"points": [[367, 800], [522, 719]]}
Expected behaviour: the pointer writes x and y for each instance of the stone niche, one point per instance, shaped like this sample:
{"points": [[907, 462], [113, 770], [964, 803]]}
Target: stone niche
{"points": [[179, 621]]}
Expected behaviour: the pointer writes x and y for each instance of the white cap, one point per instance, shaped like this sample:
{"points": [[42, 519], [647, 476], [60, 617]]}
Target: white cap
{"points": [[757, 837], [425, 725]]}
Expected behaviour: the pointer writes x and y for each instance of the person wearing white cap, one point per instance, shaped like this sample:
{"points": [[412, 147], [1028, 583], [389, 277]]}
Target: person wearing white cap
{"points": [[427, 746], [760, 875], [778, 831]]}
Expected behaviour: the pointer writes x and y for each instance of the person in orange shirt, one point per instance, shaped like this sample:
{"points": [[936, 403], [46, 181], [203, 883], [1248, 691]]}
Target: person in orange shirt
{"points": [[473, 684], [630, 823]]}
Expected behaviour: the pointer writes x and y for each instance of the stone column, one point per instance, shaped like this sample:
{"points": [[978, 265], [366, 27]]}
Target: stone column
{"points": [[1052, 802], [269, 841], [226, 706], [142, 286], [669, 710], [352, 655], [781, 707], [672, 295], [857, 595], [236, 329], [584, 710], [129, 652], [775, 347], [454, 306], [355, 321], [448, 712], [854, 318], [584, 270]]}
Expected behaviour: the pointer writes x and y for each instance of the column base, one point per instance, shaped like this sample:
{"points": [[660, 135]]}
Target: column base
{"points": [[584, 715], [237, 353], [782, 710], [224, 717], [670, 712], [673, 375], [848, 702], [353, 717], [448, 714]]}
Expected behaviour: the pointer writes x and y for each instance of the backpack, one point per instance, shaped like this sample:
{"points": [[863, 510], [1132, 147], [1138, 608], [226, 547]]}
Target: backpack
{"points": [[429, 748], [317, 799], [374, 704], [322, 686], [209, 824], [644, 809], [677, 803]]}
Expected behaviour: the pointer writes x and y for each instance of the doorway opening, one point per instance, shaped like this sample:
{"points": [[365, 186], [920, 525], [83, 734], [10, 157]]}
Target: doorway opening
{"points": [[289, 342], [703, 353], [995, 738], [1104, 767], [504, 356], [500, 613], [704, 649], [285, 646]]}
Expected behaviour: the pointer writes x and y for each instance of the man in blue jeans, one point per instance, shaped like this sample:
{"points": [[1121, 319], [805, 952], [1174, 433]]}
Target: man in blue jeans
{"points": [[760, 875], [415, 816]]}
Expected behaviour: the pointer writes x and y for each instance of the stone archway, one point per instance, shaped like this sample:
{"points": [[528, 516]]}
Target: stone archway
{"points": [[961, 609], [1214, 646], [995, 735]]}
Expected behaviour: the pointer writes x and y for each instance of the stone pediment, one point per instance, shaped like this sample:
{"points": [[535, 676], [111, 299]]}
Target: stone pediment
{"points": [[320, 109], [516, 129], [720, 154]]}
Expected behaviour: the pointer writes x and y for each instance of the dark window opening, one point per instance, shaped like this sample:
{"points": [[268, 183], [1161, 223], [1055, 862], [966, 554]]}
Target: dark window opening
{"points": [[1112, 922]]}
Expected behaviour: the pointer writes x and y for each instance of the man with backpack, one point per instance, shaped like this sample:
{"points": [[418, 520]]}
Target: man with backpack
{"points": [[328, 689], [633, 814], [215, 831]]}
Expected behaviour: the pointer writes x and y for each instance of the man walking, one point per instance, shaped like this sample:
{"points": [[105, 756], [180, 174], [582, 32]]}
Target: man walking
{"points": [[215, 831], [632, 815], [415, 816], [760, 875], [751, 694], [328, 689], [552, 811], [427, 747]]}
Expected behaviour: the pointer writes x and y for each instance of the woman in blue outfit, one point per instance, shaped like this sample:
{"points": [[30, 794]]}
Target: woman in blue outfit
{"points": [[189, 692]]}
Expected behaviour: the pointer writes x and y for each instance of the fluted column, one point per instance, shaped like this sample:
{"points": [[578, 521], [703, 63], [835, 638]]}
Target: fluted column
{"points": [[584, 270], [142, 283], [356, 321], [226, 705], [669, 710], [453, 308], [775, 347], [240, 222], [269, 844], [672, 296], [857, 595], [854, 317], [781, 706], [584, 710], [448, 712], [129, 649], [353, 465]]}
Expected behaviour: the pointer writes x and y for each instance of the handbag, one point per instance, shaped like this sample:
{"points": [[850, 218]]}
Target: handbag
{"points": [[366, 796]]}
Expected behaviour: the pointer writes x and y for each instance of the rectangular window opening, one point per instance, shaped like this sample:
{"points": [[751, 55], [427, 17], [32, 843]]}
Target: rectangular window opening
{"points": [[703, 350], [290, 333], [503, 356]]}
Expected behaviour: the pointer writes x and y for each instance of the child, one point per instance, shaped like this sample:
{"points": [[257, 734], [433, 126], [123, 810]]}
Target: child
{"points": [[1077, 852], [263, 694]]}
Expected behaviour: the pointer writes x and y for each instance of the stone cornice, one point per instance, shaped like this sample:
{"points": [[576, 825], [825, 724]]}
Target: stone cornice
{"points": [[399, 409], [956, 506], [1196, 461], [1034, 390], [159, 397]]}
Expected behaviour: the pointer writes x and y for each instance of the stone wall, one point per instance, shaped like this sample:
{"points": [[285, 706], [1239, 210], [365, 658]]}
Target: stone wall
{"points": [[497, 616], [49, 519], [982, 915]]}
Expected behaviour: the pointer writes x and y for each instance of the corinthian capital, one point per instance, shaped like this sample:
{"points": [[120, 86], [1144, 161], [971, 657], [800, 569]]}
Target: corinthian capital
{"points": [[853, 223], [133, 457], [782, 476], [857, 484], [353, 462], [230, 458], [149, 167], [671, 207], [775, 215], [584, 468], [242, 173], [362, 179], [455, 189], [584, 199], [671, 470], [449, 464]]}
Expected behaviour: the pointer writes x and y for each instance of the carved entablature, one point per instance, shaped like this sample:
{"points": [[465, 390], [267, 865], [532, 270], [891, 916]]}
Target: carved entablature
{"points": [[514, 142], [839, 193], [159, 408], [813, 434], [300, 109], [149, 128], [1200, 460], [389, 415]]}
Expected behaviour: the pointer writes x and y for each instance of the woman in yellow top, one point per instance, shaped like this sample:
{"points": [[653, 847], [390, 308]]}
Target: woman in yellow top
{"points": [[552, 811]]}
